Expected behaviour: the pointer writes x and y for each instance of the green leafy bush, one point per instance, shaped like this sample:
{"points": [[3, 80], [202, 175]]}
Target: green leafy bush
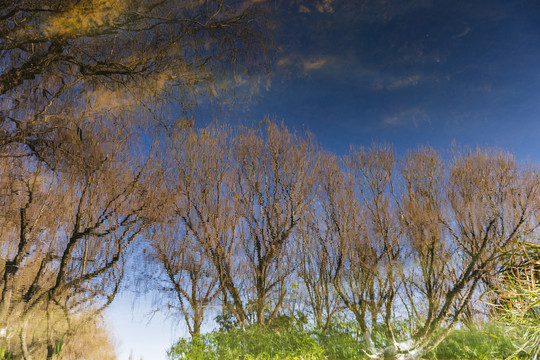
{"points": [[285, 339], [4, 354], [288, 338], [340, 341], [489, 342]]}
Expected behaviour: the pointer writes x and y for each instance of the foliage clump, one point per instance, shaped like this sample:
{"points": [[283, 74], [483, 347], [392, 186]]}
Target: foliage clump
{"points": [[291, 338], [490, 341], [285, 339]]}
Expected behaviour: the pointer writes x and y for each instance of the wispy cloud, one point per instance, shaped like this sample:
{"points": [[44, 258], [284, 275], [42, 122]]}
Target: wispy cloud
{"points": [[350, 70], [397, 82], [385, 11], [463, 33], [284, 61], [314, 64], [299, 65], [412, 116], [322, 6], [367, 10]]}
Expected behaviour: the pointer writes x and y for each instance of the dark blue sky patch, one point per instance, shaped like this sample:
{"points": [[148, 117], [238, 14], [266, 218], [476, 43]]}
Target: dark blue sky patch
{"points": [[407, 72]]}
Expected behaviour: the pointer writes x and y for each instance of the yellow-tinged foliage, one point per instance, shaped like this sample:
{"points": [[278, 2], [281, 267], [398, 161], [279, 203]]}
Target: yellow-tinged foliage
{"points": [[84, 17]]}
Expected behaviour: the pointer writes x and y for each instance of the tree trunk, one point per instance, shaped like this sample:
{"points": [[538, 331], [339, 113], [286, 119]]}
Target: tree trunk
{"points": [[5, 302], [261, 296], [22, 336], [50, 336]]}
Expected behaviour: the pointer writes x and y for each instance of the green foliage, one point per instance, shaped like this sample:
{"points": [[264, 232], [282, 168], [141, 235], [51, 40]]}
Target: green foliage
{"points": [[289, 338], [4, 354], [489, 342], [58, 346], [516, 298], [286, 339], [226, 321], [341, 341]]}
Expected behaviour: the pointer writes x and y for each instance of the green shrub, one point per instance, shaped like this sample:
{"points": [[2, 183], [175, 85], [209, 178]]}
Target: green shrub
{"points": [[340, 341], [288, 339], [4, 354], [489, 342], [285, 339]]}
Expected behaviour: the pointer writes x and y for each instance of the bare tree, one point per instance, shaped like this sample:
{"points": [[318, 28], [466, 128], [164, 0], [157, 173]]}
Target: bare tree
{"points": [[189, 274], [275, 185], [240, 196], [65, 240], [205, 200], [415, 243], [402, 245], [316, 263], [361, 239]]}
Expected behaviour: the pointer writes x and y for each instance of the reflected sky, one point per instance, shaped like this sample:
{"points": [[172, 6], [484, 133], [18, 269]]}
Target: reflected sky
{"points": [[408, 73]]}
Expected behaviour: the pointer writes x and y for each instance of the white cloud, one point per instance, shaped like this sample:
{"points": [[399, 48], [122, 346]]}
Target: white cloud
{"points": [[314, 64], [412, 116], [322, 6], [463, 33], [397, 82], [284, 61]]}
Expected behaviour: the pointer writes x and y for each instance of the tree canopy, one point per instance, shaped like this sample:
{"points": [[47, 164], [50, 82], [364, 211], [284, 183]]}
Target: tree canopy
{"points": [[67, 65]]}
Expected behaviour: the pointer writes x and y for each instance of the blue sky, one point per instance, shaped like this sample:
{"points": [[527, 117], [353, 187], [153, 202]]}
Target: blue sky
{"points": [[409, 73], [404, 72]]}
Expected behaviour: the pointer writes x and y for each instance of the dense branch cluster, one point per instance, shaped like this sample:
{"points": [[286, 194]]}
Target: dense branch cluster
{"points": [[257, 223], [63, 245], [69, 66], [262, 218]]}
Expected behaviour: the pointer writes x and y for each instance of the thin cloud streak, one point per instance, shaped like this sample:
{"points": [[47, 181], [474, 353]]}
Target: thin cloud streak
{"points": [[413, 116]]}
